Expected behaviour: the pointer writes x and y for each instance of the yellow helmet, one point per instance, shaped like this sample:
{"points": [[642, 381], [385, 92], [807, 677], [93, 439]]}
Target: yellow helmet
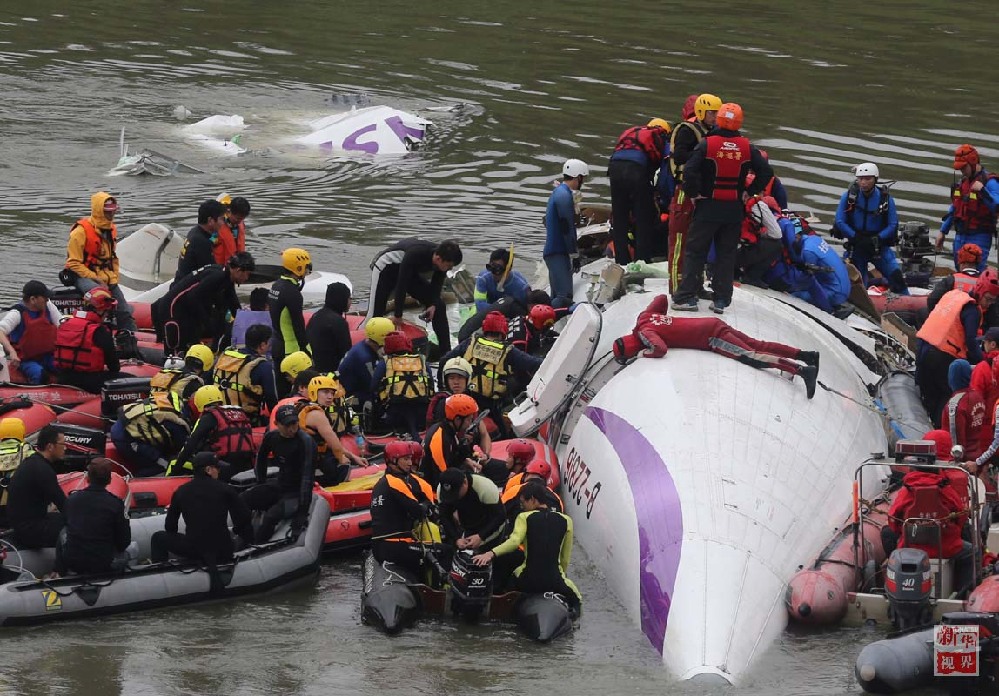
{"points": [[662, 123], [295, 363], [322, 382], [11, 429], [704, 104], [208, 395], [203, 353], [297, 261], [378, 328], [225, 199]]}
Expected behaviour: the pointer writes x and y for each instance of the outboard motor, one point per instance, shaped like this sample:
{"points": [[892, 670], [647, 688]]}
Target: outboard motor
{"points": [[914, 248], [82, 445], [471, 586], [67, 300], [988, 656], [908, 588], [122, 392]]}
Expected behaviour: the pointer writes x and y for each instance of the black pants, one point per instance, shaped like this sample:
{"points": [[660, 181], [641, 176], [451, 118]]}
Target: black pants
{"points": [[931, 378], [407, 555], [527, 584], [725, 236], [756, 259], [277, 506], [39, 534], [165, 543], [407, 417], [632, 196], [419, 289]]}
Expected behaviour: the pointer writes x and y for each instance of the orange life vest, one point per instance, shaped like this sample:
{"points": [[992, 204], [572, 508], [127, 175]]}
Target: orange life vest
{"points": [[943, 328], [965, 282], [94, 256]]}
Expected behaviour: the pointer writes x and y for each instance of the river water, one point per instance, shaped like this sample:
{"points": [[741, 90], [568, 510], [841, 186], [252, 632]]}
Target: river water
{"points": [[513, 91]]}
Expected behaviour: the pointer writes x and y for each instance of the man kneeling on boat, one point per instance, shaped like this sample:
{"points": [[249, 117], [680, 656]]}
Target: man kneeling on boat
{"points": [[204, 503], [656, 332], [97, 529], [546, 536], [400, 501]]}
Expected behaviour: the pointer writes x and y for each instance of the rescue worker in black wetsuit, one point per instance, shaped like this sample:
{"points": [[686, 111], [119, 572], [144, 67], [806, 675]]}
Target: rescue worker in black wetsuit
{"points": [[397, 272], [85, 352], [97, 528], [204, 503], [246, 376], [328, 332], [546, 536], [183, 382], [472, 516], [447, 444], [195, 307], [288, 497], [399, 501], [150, 432], [537, 470], [199, 247], [285, 302], [225, 430], [33, 488]]}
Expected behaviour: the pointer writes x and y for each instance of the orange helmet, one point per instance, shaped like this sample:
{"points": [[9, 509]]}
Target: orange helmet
{"points": [[965, 154], [987, 285], [969, 255], [101, 299], [460, 405], [730, 116]]}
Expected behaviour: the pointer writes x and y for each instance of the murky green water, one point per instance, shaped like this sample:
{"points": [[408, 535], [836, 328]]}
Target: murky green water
{"points": [[824, 86]]}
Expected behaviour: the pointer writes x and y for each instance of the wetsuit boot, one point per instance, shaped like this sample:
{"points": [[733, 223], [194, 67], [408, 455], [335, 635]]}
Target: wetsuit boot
{"points": [[809, 374], [809, 357]]}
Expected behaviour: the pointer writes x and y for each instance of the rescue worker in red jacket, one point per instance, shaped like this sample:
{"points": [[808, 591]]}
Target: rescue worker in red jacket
{"points": [[964, 415], [28, 333], [399, 501], [985, 375], [92, 257], [225, 430], [699, 114], [85, 351], [714, 178], [952, 545], [656, 332], [637, 155], [231, 234], [949, 333], [974, 205]]}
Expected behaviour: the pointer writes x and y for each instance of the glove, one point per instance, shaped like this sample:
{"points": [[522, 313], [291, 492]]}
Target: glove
{"points": [[864, 246], [576, 263]]}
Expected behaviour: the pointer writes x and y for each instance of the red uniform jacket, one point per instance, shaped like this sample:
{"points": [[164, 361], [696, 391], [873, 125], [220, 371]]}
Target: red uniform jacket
{"points": [[971, 423], [985, 381], [658, 331], [901, 509]]}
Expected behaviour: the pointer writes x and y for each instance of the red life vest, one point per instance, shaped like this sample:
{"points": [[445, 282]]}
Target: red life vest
{"points": [[74, 345], [233, 432], [964, 281], [968, 206], [94, 256], [767, 190], [39, 335], [731, 156], [651, 141]]}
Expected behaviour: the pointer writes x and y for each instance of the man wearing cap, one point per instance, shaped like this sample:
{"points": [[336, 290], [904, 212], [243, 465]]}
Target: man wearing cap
{"points": [[204, 503], [28, 332], [293, 452], [499, 280], [472, 516], [560, 252], [974, 205], [199, 247], [985, 375], [92, 257]]}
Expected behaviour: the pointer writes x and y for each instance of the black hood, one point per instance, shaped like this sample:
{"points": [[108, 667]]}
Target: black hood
{"points": [[338, 297]]}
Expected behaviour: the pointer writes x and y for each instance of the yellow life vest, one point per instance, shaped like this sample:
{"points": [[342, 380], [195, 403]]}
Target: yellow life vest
{"points": [[175, 381], [489, 369], [144, 420], [12, 453], [405, 378], [699, 133], [304, 410], [232, 374]]}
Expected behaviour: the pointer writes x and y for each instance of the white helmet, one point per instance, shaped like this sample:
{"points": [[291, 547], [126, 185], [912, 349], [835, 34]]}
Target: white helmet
{"points": [[574, 167], [866, 169]]}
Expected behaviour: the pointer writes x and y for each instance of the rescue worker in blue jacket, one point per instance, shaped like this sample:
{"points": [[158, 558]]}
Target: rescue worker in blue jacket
{"points": [[974, 205], [821, 261], [500, 280], [359, 364], [560, 253], [866, 216], [788, 273]]}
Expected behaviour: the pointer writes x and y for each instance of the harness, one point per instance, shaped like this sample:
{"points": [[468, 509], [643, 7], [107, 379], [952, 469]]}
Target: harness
{"points": [[232, 374], [489, 370], [95, 243], [234, 434], [699, 133], [405, 379], [853, 193], [145, 420], [175, 381], [304, 409], [12, 453]]}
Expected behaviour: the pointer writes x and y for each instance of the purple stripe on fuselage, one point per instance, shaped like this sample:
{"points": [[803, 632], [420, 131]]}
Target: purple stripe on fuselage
{"points": [[660, 522]]}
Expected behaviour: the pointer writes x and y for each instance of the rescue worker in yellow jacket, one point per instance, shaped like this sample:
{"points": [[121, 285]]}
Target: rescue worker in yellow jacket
{"points": [[402, 386], [494, 361], [150, 432], [247, 378], [92, 258]]}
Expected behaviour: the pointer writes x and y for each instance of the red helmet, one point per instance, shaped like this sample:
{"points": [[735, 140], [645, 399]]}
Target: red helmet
{"points": [[394, 451], [730, 116], [398, 342], [521, 451], [987, 285], [101, 299], [494, 322], [541, 468], [541, 316], [460, 405], [416, 449]]}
